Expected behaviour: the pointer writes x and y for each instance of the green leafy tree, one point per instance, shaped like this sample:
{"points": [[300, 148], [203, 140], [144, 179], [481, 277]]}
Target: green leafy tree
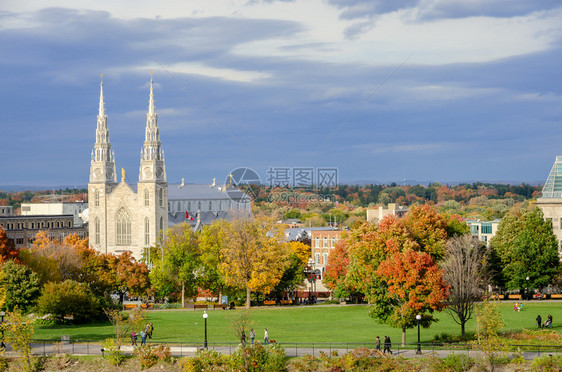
{"points": [[211, 242], [21, 285], [527, 248], [181, 268], [19, 334], [68, 298], [489, 321]]}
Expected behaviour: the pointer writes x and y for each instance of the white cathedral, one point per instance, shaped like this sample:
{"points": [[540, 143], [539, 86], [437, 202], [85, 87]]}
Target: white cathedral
{"points": [[123, 217]]}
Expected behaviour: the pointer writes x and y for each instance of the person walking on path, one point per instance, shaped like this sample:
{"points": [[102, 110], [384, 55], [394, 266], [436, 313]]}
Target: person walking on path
{"points": [[266, 337], [252, 335], [378, 343], [539, 321], [387, 345], [134, 338], [143, 337]]}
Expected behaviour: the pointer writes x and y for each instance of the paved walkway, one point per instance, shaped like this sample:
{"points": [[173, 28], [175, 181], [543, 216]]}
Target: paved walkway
{"points": [[190, 350]]}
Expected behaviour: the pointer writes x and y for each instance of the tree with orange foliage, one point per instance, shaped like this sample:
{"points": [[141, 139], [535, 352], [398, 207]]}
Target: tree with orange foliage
{"points": [[126, 275], [7, 248], [395, 266]]}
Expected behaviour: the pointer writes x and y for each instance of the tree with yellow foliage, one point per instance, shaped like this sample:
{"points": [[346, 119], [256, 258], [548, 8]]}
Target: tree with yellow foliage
{"points": [[255, 255], [303, 251]]}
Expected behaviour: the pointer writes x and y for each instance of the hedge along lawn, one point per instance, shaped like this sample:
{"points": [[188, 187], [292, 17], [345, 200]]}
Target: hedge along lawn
{"points": [[349, 324]]}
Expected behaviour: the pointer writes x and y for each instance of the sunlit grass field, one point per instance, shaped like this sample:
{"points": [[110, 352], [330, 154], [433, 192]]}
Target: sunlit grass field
{"points": [[349, 324]]}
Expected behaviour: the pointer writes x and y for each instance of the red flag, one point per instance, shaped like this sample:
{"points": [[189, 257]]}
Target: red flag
{"points": [[188, 217]]}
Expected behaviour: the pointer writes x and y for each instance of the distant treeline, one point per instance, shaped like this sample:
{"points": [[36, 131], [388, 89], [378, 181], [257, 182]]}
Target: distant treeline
{"points": [[406, 195], [15, 199]]}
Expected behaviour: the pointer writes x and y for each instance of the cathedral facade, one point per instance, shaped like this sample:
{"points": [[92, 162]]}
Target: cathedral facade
{"points": [[124, 217]]}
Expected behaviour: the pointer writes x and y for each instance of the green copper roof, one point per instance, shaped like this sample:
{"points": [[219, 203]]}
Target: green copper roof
{"points": [[553, 186]]}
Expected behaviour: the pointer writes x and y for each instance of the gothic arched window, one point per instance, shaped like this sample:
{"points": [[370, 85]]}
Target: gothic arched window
{"points": [[123, 227], [161, 226], [146, 232], [97, 198], [160, 198], [146, 198], [97, 231]]}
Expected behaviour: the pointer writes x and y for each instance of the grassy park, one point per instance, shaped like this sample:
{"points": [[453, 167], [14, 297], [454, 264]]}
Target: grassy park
{"points": [[349, 324]]}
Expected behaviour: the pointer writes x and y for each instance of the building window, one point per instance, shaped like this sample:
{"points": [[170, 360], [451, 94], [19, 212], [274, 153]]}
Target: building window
{"points": [[333, 241], [549, 221], [325, 242], [210, 207], [317, 242], [317, 257], [161, 226], [198, 206], [160, 197], [97, 198], [325, 259], [486, 229], [97, 231], [189, 206], [123, 228], [146, 232], [146, 198]]}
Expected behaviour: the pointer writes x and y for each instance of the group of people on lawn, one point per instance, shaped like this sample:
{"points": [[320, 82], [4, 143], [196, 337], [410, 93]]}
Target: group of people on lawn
{"points": [[547, 323], [146, 332]]}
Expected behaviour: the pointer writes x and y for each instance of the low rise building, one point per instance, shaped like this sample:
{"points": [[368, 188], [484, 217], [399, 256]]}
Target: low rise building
{"points": [[376, 215], [483, 230], [22, 229], [55, 209]]}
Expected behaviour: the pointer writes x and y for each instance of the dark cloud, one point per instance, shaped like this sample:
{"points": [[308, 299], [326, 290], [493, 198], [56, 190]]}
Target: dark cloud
{"points": [[51, 88]]}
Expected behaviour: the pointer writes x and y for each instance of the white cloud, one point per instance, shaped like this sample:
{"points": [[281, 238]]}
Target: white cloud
{"points": [[219, 73]]}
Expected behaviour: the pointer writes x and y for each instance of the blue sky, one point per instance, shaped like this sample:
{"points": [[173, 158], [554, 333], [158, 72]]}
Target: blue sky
{"points": [[427, 90]]}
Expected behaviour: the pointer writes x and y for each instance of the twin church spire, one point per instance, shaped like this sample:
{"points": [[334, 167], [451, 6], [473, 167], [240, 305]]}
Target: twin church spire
{"points": [[152, 167]]}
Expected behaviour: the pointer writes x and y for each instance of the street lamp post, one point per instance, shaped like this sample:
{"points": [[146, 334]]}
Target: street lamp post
{"points": [[310, 272], [205, 316], [527, 289], [418, 318], [2, 315]]}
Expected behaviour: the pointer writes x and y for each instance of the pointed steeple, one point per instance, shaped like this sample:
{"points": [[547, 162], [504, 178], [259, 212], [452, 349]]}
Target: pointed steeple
{"points": [[102, 104], [151, 99], [152, 156], [102, 163]]}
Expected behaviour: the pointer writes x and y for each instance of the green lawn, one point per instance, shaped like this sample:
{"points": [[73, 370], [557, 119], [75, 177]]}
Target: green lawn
{"points": [[298, 324]]}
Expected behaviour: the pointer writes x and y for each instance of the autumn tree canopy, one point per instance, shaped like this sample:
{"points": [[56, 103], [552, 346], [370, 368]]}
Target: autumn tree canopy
{"points": [[395, 266], [255, 255]]}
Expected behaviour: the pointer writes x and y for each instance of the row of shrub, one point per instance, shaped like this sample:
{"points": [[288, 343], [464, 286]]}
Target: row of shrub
{"points": [[272, 358]]}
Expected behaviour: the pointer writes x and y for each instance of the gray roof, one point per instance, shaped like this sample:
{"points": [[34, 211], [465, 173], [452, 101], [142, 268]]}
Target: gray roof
{"points": [[207, 218], [204, 192], [296, 233]]}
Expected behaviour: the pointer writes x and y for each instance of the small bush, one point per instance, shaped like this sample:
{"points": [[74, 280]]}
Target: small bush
{"points": [[307, 363], [3, 363], [113, 353], [548, 363], [207, 360], [457, 362], [149, 355]]}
